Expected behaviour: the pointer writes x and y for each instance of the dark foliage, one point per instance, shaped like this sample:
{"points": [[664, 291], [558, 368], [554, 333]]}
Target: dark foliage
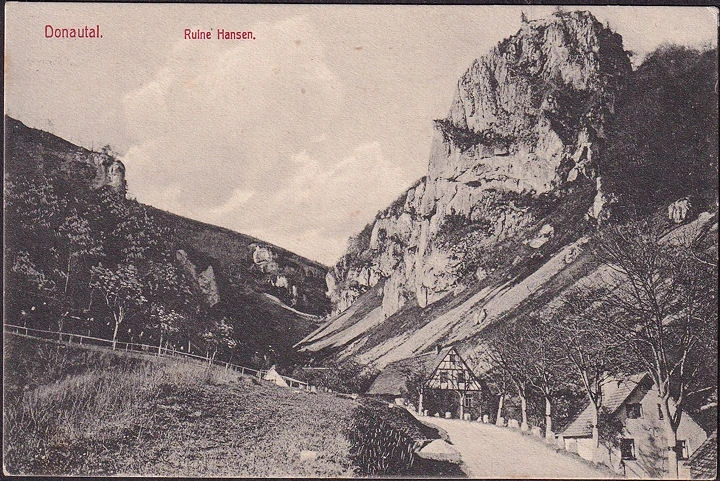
{"points": [[383, 439], [345, 377], [465, 138], [663, 141]]}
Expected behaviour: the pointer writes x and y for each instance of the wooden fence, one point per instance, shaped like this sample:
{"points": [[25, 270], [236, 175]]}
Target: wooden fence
{"points": [[142, 348]]}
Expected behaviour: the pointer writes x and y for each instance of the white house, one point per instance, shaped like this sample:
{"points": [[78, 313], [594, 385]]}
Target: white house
{"points": [[642, 451]]}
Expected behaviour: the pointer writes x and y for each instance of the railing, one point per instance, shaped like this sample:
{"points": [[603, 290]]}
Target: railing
{"points": [[142, 348]]}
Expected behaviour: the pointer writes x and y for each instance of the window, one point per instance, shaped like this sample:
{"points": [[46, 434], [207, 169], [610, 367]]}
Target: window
{"points": [[633, 410], [627, 448], [468, 401], [443, 376], [451, 357], [660, 414], [681, 448], [461, 376]]}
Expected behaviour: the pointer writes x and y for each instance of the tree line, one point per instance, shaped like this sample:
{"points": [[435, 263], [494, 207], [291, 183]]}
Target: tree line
{"points": [[93, 261]]}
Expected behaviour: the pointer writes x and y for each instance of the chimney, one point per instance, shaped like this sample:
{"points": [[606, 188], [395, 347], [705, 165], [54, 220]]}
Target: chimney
{"points": [[438, 348]]}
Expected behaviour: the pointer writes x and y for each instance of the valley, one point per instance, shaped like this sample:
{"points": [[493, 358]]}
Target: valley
{"points": [[542, 302]]}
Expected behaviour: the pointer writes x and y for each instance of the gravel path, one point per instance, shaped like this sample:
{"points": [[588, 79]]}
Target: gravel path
{"points": [[489, 451]]}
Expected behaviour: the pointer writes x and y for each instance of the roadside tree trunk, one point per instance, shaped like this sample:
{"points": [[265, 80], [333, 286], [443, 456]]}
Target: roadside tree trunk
{"points": [[595, 432], [118, 321], [523, 408], [670, 432], [548, 418], [500, 408]]}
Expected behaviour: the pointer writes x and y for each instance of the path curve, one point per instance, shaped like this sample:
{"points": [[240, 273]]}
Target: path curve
{"points": [[489, 451]]}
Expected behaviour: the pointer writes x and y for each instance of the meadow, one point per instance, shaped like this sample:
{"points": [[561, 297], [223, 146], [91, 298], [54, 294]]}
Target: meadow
{"points": [[72, 410], [86, 410]]}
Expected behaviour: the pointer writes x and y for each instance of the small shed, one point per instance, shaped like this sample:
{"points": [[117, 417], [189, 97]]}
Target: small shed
{"points": [[274, 376]]}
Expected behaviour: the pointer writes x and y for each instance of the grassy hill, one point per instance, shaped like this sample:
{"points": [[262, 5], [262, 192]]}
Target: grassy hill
{"points": [[90, 411]]}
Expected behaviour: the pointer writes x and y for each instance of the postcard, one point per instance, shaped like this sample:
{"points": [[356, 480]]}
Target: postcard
{"points": [[313, 240]]}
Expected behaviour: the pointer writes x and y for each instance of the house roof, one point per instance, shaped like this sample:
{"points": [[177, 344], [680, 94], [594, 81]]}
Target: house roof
{"points": [[615, 392], [703, 462], [395, 374]]}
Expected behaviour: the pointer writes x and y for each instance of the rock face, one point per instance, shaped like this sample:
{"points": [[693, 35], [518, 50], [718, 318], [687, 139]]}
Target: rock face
{"points": [[525, 122], [204, 281], [263, 259], [109, 171], [678, 210]]}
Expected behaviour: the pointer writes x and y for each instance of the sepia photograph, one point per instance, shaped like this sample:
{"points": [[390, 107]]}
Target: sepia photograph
{"points": [[339, 241]]}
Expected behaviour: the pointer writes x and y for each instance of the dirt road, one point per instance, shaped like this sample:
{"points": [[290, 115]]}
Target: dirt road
{"points": [[489, 451]]}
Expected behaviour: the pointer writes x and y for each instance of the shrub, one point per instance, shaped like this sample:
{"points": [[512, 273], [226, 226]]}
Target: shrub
{"points": [[378, 446]]}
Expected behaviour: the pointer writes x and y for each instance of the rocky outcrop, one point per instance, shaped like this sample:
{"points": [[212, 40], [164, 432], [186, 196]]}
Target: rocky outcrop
{"points": [[204, 282], [109, 171], [264, 260], [678, 211], [525, 122], [546, 233], [598, 210]]}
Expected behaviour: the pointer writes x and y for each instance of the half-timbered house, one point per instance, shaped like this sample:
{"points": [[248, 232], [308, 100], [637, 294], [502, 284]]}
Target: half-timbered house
{"points": [[437, 382]]}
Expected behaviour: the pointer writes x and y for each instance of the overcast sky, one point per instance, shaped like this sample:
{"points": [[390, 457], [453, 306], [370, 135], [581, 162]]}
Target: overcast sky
{"points": [[297, 137]]}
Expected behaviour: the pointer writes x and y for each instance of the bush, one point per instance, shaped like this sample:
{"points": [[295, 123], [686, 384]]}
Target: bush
{"points": [[382, 442]]}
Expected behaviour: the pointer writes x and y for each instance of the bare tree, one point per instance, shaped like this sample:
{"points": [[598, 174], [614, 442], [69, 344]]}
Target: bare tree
{"points": [[590, 350], [498, 380], [506, 353], [662, 293], [545, 365]]}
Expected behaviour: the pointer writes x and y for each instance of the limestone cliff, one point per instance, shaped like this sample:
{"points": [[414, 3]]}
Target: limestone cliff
{"points": [[549, 135], [526, 122]]}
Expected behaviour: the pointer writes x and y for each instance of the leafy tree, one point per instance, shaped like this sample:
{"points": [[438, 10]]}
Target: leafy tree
{"points": [[167, 284], [121, 289], [80, 241], [219, 336], [25, 266], [131, 233], [33, 203], [166, 322], [416, 377]]}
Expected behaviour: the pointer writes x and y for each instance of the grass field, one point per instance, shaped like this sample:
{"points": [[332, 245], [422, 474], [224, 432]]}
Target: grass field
{"points": [[78, 411], [71, 410]]}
